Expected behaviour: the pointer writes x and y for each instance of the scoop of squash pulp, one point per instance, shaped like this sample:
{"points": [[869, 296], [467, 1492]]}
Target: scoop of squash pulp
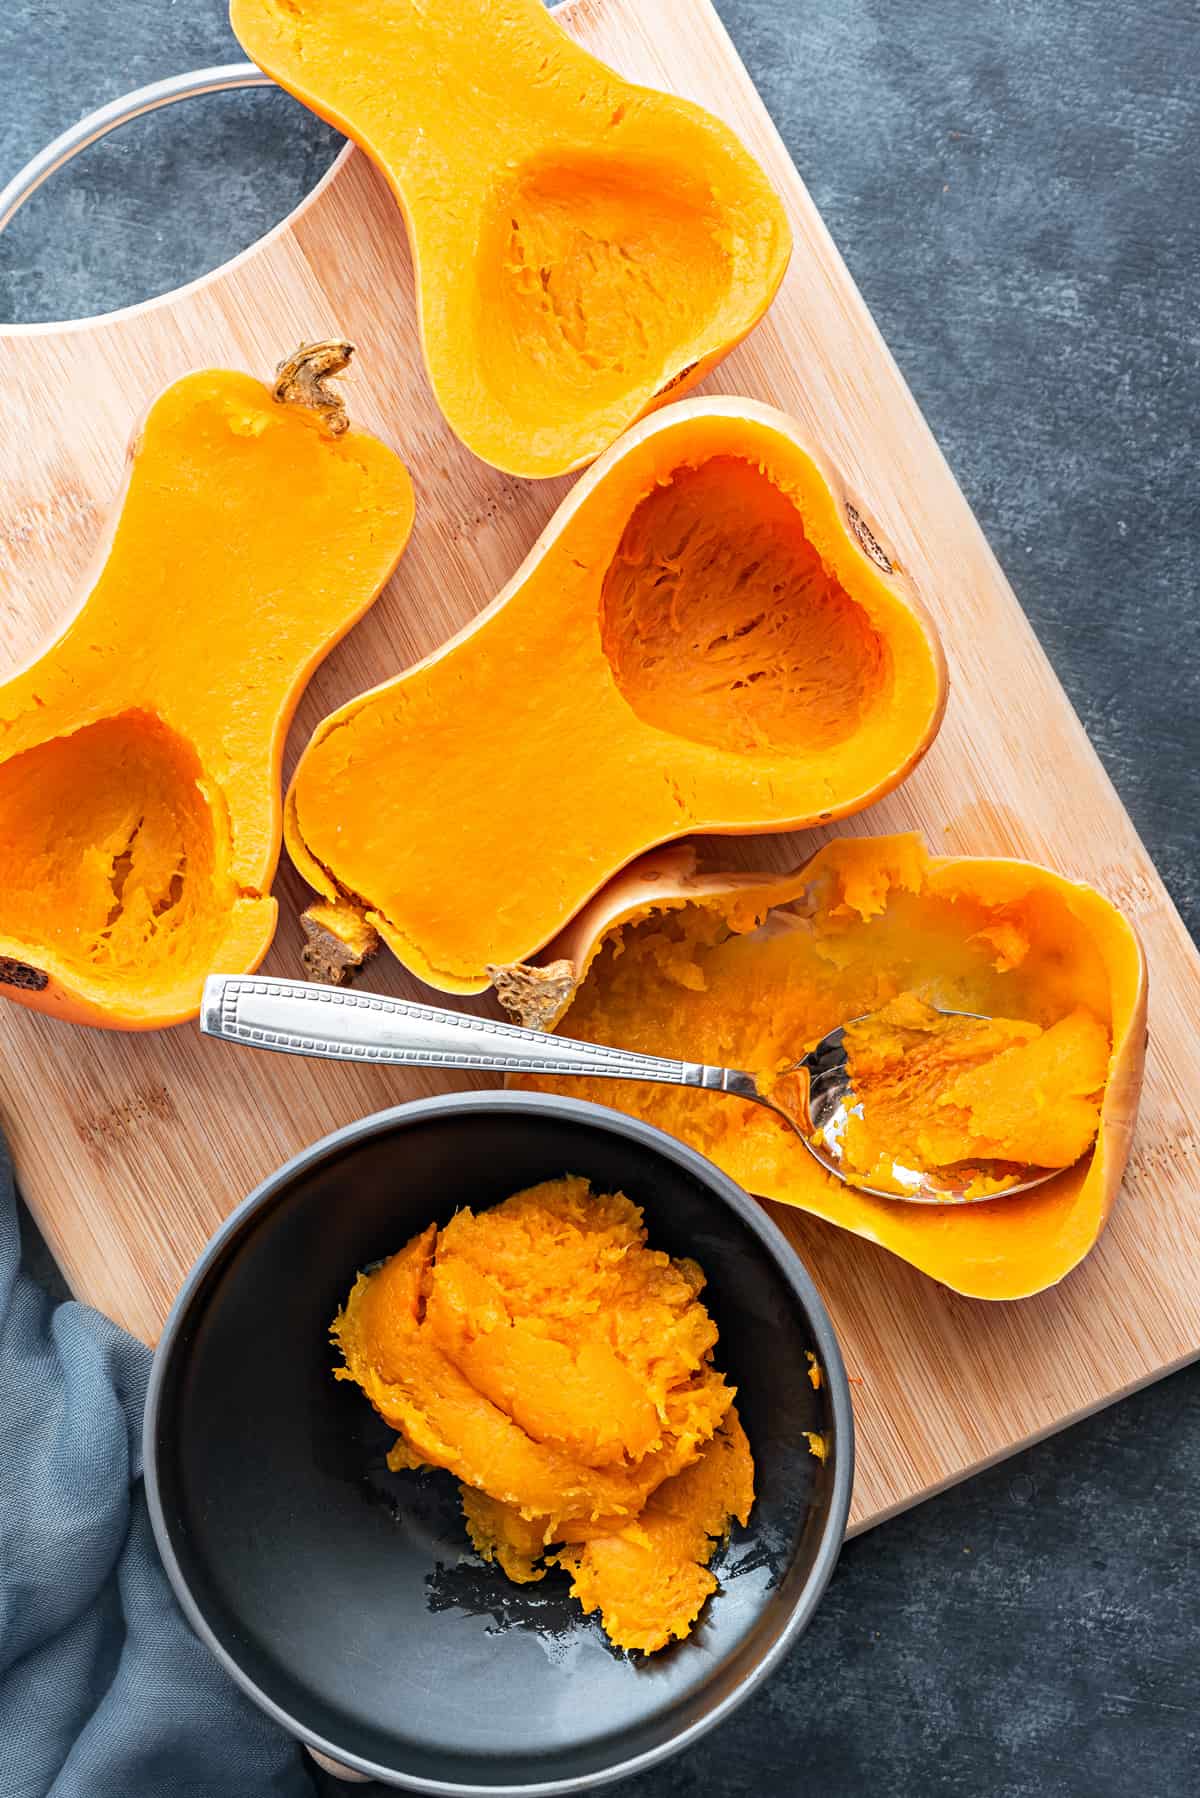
{"points": [[582, 246], [697, 642], [140, 752], [563, 1370], [989, 1097], [749, 971]]}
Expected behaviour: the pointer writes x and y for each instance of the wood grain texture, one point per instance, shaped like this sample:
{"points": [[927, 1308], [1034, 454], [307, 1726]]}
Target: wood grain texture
{"points": [[130, 1149]]}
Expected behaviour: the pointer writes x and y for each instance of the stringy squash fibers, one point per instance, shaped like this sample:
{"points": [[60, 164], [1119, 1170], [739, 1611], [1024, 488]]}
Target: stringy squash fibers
{"points": [[140, 752], [749, 971], [698, 642], [562, 1370], [582, 246]]}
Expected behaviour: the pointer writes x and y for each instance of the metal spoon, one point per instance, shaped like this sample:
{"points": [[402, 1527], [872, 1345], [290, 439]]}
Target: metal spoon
{"points": [[813, 1096]]}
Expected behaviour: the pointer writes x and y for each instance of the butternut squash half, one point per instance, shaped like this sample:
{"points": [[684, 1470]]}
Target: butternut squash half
{"points": [[582, 246], [750, 970], [697, 642], [140, 752]]}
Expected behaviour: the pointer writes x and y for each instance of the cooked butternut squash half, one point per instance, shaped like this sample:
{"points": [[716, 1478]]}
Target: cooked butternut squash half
{"points": [[582, 246], [140, 752], [749, 971], [697, 642]]}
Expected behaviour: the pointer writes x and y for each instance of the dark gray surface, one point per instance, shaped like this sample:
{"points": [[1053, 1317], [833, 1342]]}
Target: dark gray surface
{"points": [[1013, 186]]}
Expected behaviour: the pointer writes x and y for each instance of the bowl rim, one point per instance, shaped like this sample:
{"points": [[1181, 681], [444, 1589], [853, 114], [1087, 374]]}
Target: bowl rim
{"points": [[618, 1123]]}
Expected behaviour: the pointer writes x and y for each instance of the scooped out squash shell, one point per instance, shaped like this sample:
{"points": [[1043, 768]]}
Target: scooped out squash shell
{"points": [[140, 753], [583, 247], [749, 970], [697, 642]]}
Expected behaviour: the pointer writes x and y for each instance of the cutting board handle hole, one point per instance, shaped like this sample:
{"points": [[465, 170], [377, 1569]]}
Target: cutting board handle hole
{"points": [[199, 184]]}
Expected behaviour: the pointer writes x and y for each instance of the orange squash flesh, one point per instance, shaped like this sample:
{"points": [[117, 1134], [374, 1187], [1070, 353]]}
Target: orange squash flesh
{"points": [[938, 1091], [582, 246], [563, 1371], [405, 1353], [648, 1576], [697, 642], [140, 753], [649, 1580], [555, 1311], [749, 971]]}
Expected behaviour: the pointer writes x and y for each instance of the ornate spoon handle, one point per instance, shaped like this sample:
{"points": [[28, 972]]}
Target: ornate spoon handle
{"points": [[298, 1018]]}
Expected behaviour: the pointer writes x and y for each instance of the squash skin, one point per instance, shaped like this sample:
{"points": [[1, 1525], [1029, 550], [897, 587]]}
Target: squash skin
{"points": [[392, 806], [583, 248], [245, 543], [1006, 1249]]}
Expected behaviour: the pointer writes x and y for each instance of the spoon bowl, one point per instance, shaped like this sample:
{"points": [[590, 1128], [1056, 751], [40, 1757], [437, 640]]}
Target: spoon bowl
{"points": [[826, 1102]]}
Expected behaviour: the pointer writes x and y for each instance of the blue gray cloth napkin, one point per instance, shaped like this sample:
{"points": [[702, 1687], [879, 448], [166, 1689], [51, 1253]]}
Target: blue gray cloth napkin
{"points": [[104, 1690]]}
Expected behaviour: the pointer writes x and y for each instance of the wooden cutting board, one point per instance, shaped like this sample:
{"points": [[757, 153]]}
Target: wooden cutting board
{"points": [[131, 1149]]}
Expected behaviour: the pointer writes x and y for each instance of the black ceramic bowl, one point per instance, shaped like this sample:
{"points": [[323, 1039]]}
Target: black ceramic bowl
{"points": [[343, 1598]]}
